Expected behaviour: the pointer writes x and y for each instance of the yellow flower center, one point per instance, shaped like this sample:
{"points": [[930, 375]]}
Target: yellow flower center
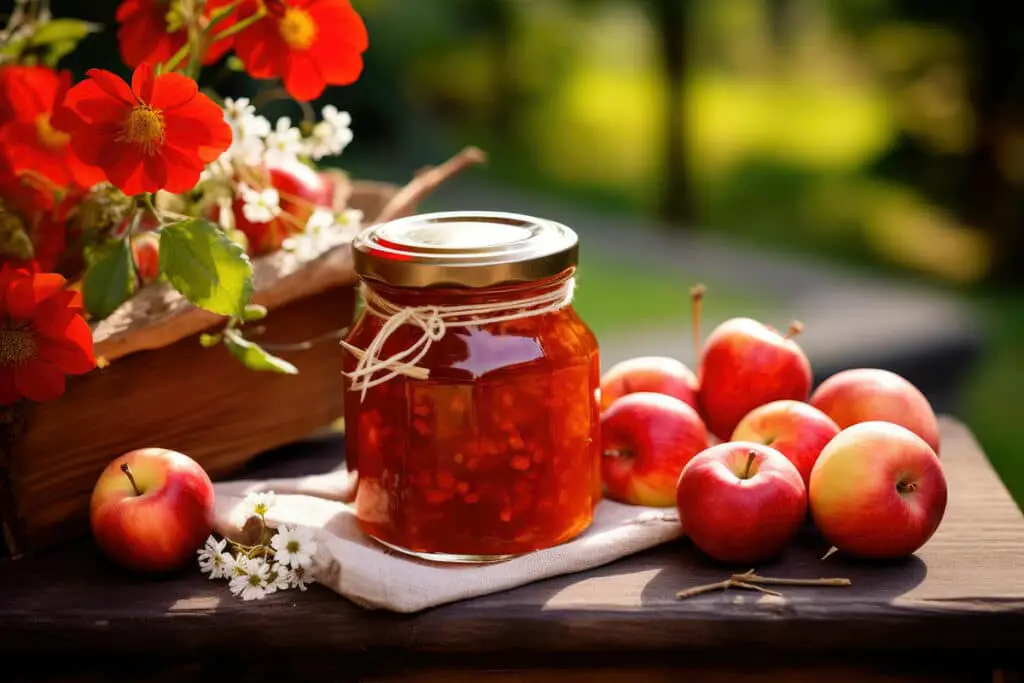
{"points": [[17, 344], [48, 136], [297, 28], [144, 127]]}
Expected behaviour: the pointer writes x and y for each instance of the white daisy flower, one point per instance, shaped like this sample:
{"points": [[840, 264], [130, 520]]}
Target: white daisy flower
{"points": [[330, 136], [250, 579], [319, 220], [280, 578], [213, 560], [301, 578], [236, 110], [295, 546], [259, 206], [284, 144], [259, 503]]}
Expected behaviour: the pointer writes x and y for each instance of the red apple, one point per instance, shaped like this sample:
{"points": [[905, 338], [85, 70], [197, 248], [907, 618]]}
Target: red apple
{"points": [[146, 252], [657, 374], [867, 394], [646, 439], [796, 429], [151, 509], [745, 364], [741, 502], [877, 491], [301, 190]]}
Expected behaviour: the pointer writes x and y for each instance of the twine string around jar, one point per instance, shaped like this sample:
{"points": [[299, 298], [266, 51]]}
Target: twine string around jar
{"points": [[434, 322]]}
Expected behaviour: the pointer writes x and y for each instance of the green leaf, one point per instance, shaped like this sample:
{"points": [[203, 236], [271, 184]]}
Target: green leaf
{"points": [[110, 279], [204, 265], [235, 64], [255, 312], [209, 340], [59, 30], [255, 357]]}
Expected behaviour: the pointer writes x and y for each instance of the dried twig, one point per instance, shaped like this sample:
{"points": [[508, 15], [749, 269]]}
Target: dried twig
{"points": [[751, 581], [426, 181]]}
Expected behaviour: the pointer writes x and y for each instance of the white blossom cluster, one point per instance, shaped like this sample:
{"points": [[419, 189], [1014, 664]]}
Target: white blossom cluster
{"points": [[256, 143], [282, 561]]}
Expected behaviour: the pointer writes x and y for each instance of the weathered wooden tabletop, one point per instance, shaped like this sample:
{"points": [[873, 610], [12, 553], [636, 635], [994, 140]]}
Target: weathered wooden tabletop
{"points": [[959, 600]]}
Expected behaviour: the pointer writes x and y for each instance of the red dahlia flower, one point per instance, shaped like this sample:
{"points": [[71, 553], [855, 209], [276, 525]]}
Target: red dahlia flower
{"points": [[43, 336], [156, 135], [309, 44], [146, 36], [29, 142]]}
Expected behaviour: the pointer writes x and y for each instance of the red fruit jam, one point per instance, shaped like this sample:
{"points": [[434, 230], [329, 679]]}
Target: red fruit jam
{"points": [[496, 451]]}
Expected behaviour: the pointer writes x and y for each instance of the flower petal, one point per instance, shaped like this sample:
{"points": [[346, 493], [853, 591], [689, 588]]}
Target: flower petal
{"points": [[143, 82], [39, 381], [112, 84], [171, 91], [198, 125], [260, 47], [70, 358], [123, 164], [24, 294], [302, 77], [183, 170]]}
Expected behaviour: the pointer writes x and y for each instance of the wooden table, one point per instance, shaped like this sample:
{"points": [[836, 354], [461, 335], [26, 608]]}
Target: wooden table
{"points": [[953, 612]]}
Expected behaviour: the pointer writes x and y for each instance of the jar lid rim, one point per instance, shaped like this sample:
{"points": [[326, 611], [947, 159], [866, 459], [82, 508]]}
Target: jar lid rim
{"points": [[464, 249]]}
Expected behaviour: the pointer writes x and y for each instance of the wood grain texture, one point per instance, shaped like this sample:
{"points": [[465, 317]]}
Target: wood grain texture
{"points": [[199, 401], [962, 597]]}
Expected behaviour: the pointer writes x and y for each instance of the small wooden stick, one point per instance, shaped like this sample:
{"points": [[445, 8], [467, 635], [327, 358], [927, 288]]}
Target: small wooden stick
{"points": [[724, 585], [755, 587], [707, 588], [776, 581], [831, 551]]}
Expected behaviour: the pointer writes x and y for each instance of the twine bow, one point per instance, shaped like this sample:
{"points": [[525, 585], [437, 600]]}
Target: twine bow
{"points": [[434, 322]]}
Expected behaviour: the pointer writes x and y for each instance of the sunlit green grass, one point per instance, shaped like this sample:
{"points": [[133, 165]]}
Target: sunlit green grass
{"points": [[615, 296]]}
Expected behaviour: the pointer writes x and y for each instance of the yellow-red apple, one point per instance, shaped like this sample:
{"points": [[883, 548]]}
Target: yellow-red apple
{"points": [[741, 501], [745, 364], [796, 429], [146, 252], [657, 374], [646, 440], [151, 509], [301, 190], [868, 394], [877, 490]]}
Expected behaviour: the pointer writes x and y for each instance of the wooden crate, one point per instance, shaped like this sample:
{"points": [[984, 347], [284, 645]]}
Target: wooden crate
{"points": [[162, 388]]}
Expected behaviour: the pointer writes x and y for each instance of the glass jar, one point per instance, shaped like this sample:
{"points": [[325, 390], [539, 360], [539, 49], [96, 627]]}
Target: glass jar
{"points": [[485, 444]]}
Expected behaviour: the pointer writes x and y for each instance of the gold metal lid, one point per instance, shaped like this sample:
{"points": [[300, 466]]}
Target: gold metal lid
{"points": [[464, 249]]}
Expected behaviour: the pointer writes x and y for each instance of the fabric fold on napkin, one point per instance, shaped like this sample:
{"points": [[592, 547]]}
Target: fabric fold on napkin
{"points": [[376, 577]]}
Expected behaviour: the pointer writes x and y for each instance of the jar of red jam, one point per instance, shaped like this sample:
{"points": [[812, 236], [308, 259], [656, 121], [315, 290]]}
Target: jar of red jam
{"points": [[472, 387]]}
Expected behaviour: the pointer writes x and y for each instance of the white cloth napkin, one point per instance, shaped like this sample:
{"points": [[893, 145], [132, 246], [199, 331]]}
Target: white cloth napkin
{"points": [[375, 577]]}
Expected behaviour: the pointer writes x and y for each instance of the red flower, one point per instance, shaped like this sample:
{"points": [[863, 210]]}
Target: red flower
{"points": [[309, 44], [158, 134], [145, 35], [43, 336], [32, 147]]}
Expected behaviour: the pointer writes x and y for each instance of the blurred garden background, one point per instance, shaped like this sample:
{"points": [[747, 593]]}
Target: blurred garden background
{"points": [[868, 146]]}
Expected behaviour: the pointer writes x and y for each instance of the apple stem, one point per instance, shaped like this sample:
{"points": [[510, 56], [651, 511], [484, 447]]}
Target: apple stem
{"points": [[795, 328], [751, 456], [128, 473], [906, 487], [697, 297]]}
